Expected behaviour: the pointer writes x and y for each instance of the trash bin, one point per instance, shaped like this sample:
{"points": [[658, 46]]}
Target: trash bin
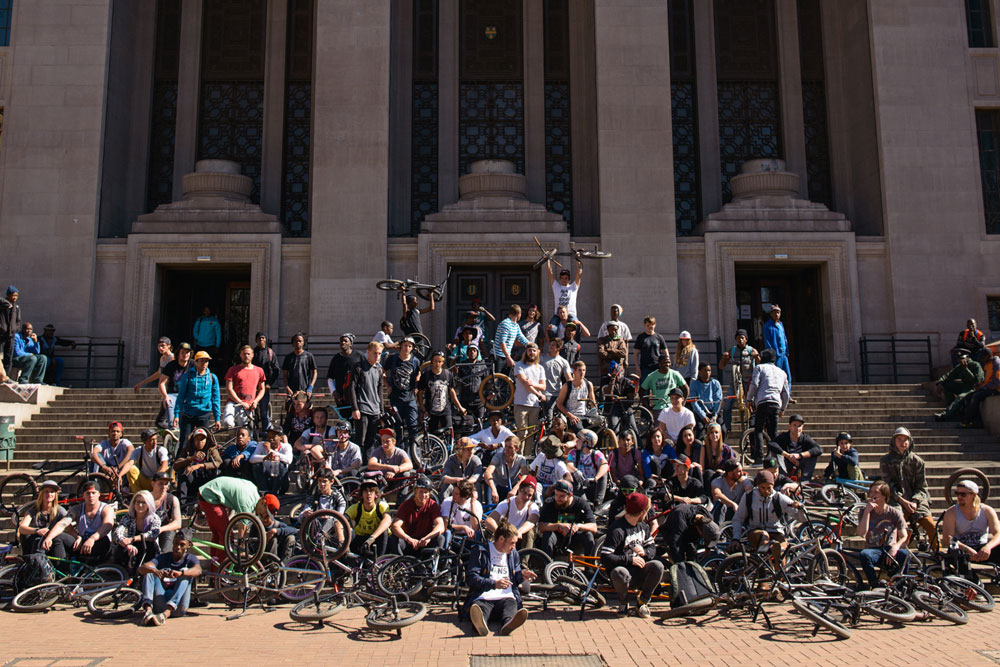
{"points": [[7, 439]]}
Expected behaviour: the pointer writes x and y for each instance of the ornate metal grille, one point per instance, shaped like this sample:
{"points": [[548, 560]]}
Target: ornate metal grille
{"points": [[163, 123], [977, 18], [683, 113], [298, 117], [748, 126], [6, 7], [424, 154], [745, 42], [988, 131], [491, 123], [558, 152]]}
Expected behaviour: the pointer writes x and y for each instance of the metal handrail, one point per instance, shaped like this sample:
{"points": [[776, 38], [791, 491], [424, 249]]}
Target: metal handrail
{"points": [[898, 355]]}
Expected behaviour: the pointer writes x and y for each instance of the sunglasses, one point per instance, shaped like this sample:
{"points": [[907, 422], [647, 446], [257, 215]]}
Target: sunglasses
{"points": [[963, 493]]}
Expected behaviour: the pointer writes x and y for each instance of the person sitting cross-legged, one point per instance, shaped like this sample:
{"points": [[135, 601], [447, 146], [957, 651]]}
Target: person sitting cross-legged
{"points": [[370, 519], [418, 523], [494, 575], [88, 527], [566, 521], [884, 530], [166, 582], [270, 461], [136, 534], [630, 553]]}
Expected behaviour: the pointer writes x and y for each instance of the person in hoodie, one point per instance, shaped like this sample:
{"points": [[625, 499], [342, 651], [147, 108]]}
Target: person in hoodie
{"points": [[903, 471], [629, 553], [763, 514], [197, 401]]}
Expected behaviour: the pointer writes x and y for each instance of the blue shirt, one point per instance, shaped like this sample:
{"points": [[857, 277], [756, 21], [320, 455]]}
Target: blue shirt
{"points": [[24, 345], [207, 331], [507, 332], [709, 395], [198, 394], [774, 337], [233, 450]]}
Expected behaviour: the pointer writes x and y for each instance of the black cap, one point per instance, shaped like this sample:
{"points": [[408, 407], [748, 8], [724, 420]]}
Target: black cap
{"points": [[147, 433], [628, 482], [796, 418], [741, 332], [843, 436], [276, 428], [770, 462], [423, 482], [157, 476], [564, 272], [184, 346], [676, 391]]}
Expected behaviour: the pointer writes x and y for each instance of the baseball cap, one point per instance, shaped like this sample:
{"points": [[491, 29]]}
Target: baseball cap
{"points": [[161, 475], [368, 481], [147, 433], [676, 391], [685, 334], [198, 431], [184, 346], [775, 307], [683, 460], [114, 424], [276, 428], [163, 339], [409, 339], [386, 431], [49, 484], [763, 477], [202, 354], [272, 502], [563, 272], [796, 418], [529, 480], [636, 503], [564, 486], [770, 462], [741, 332], [423, 482], [710, 533], [969, 485], [466, 443], [629, 482]]}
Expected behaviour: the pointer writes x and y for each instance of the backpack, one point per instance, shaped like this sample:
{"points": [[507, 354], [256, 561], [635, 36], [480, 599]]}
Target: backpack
{"points": [[36, 569], [689, 582]]}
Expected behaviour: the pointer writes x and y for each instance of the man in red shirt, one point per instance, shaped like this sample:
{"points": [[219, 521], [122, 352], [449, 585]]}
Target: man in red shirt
{"points": [[245, 386], [418, 523]]}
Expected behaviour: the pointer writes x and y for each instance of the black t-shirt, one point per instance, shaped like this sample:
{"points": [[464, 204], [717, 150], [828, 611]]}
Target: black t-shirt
{"points": [[804, 444], [570, 351], [436, 394], [410, 322], [402, 377], [264, 357], [300, 368], [693, 488], [472, 376], [579, 511], [340, 368], [165, 561], [650, 348], [174, 371]]}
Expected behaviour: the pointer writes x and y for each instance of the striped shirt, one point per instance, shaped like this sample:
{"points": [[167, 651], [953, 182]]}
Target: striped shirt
{"points": [[507, 332]]}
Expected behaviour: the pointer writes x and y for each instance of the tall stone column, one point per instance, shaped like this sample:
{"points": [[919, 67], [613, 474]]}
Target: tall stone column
{"points": [[635, 159], [350, 156]]}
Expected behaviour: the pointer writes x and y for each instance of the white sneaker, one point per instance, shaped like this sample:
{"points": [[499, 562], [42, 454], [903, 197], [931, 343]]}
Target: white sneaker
{"points": [[159, 619], [643, 611], [147, 617], [478, 622]]}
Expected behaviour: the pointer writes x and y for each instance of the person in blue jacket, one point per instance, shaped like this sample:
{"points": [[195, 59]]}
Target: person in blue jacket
{"points": [[775, 339], [207, 332], [494, 575], [197, 398]]}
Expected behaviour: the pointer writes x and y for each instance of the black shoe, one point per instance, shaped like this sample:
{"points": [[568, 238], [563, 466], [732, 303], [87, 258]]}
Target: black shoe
{"points": [[623, 609], [516, 621], [939, 417]]}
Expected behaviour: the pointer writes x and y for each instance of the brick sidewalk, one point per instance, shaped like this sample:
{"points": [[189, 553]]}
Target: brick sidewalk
{"points": [[70, 637]]}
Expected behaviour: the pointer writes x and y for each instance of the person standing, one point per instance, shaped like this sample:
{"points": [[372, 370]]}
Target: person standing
{"points": [[170, 375], [365, 392], [197, 401], [557, 373], [245, 384], [299, 367], [341, 364], [10, 324], [745, 358], [768, 395], [163, 346], [507, 333], [623, 330], [409, 324], [564, 291], [686, 359], [775, 339], [264, 357], [402, 373], [649, 345], [207, 332], [529, 393]]}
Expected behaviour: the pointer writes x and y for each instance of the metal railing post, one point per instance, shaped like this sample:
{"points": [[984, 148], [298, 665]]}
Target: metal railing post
{"points": [[864, 360], [90, 360], [930, 361], [892, 352]]}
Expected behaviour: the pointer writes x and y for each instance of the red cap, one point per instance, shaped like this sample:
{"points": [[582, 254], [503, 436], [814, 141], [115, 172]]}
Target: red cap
{"points": [[386, 431], [113, 424], [530, 480], [636, 503], [272, 502]]}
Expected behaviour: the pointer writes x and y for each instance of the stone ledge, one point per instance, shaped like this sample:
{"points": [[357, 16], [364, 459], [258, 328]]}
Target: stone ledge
{"points": [[989, 410]]}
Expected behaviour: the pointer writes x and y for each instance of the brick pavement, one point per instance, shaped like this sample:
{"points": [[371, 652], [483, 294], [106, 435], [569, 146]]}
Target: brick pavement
{"points": [[272, 638]]}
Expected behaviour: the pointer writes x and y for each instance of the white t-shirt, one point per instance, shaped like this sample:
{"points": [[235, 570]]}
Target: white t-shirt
{"points": [[556, 370], [548, 471], [462, 515], [498, 571], [533, 373], [382, 337], [516, 517], [149, 462], [486, 437], [565, 296], [675, 421]]}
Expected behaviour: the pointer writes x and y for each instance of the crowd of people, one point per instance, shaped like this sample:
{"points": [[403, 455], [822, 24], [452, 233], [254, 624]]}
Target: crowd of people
{"points": [[519, 490]]}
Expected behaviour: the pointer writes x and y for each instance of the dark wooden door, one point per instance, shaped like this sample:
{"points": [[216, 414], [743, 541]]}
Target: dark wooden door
{"points": [[497, 288]]}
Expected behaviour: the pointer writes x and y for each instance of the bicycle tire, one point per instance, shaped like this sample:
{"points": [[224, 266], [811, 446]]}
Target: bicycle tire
{"points": [[104, 485], [349, 487], [37, 598], [298, 594], [425, 293], [595, 599], [744, 453], [496, 391], [595, 254], [607, 440], [17, 490], [960, 589], [941, 607], [170, 442], [729, 575], [429, 451], [389, 285], [317, 536], [696, 608], [817, 528], [837, 570], [839, 496], [384, 617], [644, 420], [111, 573], [231, 574], [820, 619], [890, 608], [554, 569], [535, 560], [8, 589], [974, 474], [245, 539], [402, 575], [315, 609], [421, 344], [115, 603]]}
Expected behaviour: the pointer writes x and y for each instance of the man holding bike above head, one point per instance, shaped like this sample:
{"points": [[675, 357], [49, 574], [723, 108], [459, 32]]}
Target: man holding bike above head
{"points": [[974, 527], [904, 472]]}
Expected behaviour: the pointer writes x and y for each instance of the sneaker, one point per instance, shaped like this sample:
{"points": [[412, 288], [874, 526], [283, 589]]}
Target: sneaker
{"points": [[623, 608], [159, 619], [792, 401], [147, 617], [515, 622], [642, 611], [478, 622]]}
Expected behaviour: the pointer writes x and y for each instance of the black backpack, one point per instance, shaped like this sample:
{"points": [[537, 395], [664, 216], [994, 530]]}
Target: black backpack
{"points": [[689, 582], [36, 569]]}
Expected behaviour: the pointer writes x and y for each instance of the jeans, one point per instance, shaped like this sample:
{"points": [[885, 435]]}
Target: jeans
{"points": [[872, 557], [765, 418], [594, 490], [408, 415], [972, 404], [169, 409], [176, 595], [189, 423], [264, 410], [271, 480], [56, 367], [651, 575], [527, 416], [61, 544], [32, 367], [581, 543], [502, 609], [398, 546], [366, 429]]}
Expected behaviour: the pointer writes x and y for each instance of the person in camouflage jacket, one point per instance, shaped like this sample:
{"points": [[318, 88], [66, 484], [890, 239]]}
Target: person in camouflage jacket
{"points": [[904, 472]]}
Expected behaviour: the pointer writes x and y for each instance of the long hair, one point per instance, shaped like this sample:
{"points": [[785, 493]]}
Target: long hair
{"points": [[150, 508], [53, 506], [683, 353], [714, 451]]}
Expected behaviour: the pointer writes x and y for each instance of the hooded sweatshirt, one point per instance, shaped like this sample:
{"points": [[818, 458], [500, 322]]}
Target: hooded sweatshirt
{"points": [[904, 473]]}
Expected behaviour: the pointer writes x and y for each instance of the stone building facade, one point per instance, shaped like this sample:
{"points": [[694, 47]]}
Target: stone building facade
{"points": [[273, 159]]}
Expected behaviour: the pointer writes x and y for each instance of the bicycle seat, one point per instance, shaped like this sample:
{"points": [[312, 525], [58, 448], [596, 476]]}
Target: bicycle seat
{"points": [[41, 465]]}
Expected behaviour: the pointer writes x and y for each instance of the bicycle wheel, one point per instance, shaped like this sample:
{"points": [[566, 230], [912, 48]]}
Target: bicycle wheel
{"points": [[325, 532], [496, 391], [535, 560], [826, 533], [553, 569], [37, 597], [429, 451], [818, 615], [834, 567], [389, 285], [745, 454], [105, 487], [170, 441], [403, 575], [595, 599], [973, 474], [730, 575], [387, 616], [231, 587], [115, 603], [111, 573], [644, 420], [839, 496], [696, 608], [425, 293], [595, 254], [17, 490], [8, 589], [291, 591], [349, 486], [318, 608], [245, 539], [939, 605], [967, 593], [886, 606], [421, 345]]}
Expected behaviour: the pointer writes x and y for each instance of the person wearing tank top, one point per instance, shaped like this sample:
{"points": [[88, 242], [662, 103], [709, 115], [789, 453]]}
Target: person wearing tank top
{"points": [[973, 525], [90, 524], [168, 508], [575, 397]]}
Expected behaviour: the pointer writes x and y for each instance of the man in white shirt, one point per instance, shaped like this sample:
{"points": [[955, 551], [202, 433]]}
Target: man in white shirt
{"points": [[529, 392], [270, 461], [494, 435], [676, 417], [384, 336], [462, 512], [564, 292], [521, 511]]}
